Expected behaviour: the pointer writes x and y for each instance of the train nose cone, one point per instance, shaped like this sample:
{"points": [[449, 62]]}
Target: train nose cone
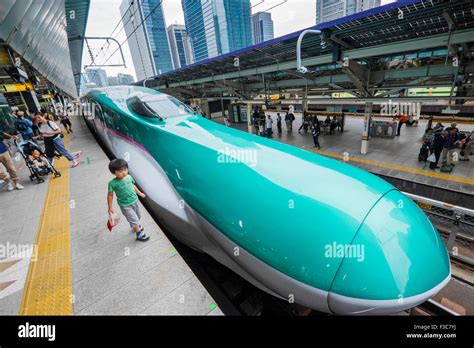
{"points": [[396, 261]]}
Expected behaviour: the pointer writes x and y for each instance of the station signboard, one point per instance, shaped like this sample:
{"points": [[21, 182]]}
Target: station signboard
{"points": [[16, 87]]}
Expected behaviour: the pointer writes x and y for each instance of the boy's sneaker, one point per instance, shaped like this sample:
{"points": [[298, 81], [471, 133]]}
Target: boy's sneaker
{"points": [[10, 186], [142, 236]]}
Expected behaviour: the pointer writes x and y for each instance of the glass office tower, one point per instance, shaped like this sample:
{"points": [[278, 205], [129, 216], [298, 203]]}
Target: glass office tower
{"points": [[328, 10], [149, 45], [262, 27], [217, 26]]}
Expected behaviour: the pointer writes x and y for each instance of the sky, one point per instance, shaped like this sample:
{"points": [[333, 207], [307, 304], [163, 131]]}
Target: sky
{"points": [[104, 15]]}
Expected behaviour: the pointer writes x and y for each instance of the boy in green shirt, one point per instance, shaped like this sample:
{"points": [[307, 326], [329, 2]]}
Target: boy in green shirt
{"points": [[127, 196]]}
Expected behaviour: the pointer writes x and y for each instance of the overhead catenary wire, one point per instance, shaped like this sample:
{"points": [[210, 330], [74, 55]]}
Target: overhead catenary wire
{"points": [[133, 32], [111, 34], [152, 11]]}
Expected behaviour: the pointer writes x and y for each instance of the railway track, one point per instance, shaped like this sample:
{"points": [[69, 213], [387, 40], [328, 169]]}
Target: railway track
{"points": [[431, 308]]}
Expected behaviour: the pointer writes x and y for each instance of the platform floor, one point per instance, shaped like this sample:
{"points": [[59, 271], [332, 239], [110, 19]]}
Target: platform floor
{"points": [[81, 267], [396, 157]]}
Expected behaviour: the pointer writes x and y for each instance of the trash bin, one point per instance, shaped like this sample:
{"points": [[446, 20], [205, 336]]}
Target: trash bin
{"points": [[383, 129]]}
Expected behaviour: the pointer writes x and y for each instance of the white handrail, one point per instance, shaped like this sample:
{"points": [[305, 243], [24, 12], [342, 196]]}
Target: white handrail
{"points": [[440, 204]]}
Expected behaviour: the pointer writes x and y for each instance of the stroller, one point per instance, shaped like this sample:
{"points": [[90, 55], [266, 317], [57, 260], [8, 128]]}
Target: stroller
{"points": [[36, 161]]}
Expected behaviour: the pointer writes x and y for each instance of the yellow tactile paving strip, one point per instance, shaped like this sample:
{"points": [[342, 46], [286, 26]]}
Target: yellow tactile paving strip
{"points": [[48, 286], [431, 174]]}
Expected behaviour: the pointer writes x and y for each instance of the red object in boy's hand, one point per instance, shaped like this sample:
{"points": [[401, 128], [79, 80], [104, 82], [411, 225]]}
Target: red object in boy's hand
{"points": [[114, 219]]}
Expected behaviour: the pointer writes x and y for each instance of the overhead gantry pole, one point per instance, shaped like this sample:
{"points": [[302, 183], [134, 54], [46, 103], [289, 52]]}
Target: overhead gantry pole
{"points": [[302, 69], [299, 66]]}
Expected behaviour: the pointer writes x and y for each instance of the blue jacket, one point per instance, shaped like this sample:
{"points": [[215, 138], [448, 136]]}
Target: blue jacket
{"points": [[28, 133]]}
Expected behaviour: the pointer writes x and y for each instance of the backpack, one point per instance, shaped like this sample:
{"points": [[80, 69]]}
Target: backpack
{"points": [[21, 125], [60, 134]]}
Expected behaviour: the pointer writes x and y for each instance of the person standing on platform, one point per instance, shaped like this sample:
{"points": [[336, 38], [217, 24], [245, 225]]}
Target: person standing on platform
{"points": [[269, 124], [6, 160], [289, 118], [428, 138], [303, 122], [24, 126], [66, 122], [333, 125], [437, 148], [34, 120], [255, 117], [226, 121], [449, 147], [316, 130], [279, 123], [466, 147], [261, 127]]}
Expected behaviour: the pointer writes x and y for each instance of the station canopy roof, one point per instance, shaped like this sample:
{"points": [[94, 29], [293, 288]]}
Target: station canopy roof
{"points": [[77, 12], [36, 45], [403, 26]]}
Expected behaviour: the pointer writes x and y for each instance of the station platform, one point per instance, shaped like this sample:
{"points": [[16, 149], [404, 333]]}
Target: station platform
{"points": [[391, 158], [58, 258]]}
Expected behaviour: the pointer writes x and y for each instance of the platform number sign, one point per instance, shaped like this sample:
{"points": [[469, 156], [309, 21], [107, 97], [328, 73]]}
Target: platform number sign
{"points": [[345, 62], [400, 14]]}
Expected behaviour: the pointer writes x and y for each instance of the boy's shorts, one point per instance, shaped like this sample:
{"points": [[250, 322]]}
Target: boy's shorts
{"points": [[132, 214]]}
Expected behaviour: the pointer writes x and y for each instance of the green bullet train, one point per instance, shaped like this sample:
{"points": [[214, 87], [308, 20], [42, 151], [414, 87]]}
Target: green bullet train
{"points": [[300, 226]]}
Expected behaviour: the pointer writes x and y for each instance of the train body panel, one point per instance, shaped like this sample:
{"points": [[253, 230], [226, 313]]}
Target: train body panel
{"points": [[255, 204]]}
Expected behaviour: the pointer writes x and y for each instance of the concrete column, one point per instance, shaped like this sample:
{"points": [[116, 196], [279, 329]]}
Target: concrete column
{"points": [[222, 106], [251, 129], [365, 133]]}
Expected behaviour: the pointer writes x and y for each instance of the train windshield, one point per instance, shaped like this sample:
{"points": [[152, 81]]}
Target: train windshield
{"points": [[166, 106]]}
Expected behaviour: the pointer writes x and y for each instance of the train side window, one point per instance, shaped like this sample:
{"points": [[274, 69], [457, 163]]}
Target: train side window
{"points": [[158, 106], [167, 106], [140, 108], [98, 112], [110, 117]]}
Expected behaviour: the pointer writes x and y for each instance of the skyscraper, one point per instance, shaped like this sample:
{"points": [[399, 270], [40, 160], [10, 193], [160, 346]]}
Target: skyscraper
{"points": [[262, 27], [97, 76], [328, 10], [217, 26], [181, 48], [124, 79], [113, 80], [144, 22]]}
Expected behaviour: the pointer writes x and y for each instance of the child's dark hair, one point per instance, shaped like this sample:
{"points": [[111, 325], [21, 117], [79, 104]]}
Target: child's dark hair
{"points": [[117, 164]]}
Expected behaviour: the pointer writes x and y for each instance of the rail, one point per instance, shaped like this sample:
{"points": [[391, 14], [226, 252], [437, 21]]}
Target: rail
{"points": [[435, 308], [457, 216]]}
